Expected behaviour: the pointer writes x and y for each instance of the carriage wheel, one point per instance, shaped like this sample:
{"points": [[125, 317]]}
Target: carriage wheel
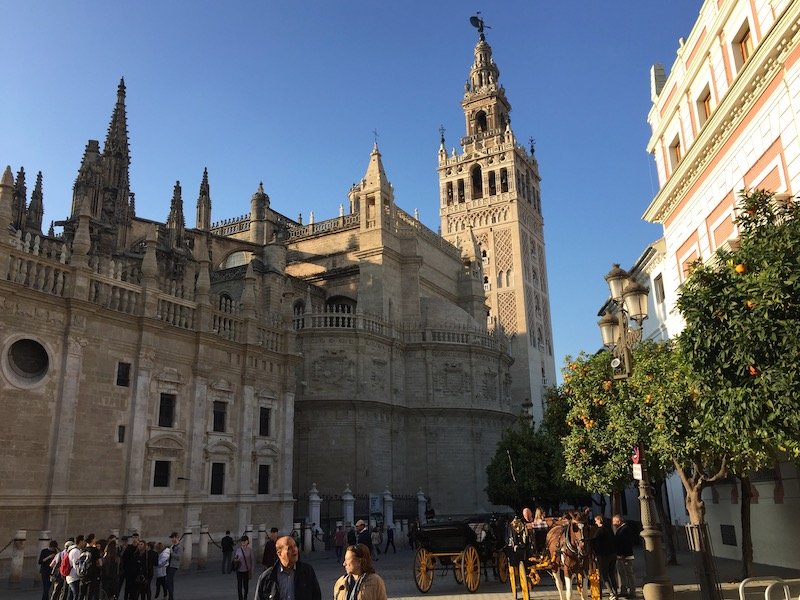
{"points": [[471, 568], [458, 575], [501, 563], [423, 570]]}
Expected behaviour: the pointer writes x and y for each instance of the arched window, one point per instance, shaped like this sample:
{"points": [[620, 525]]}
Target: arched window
{"points": [[449, 193], [492, 183], [477, 182], [480, 122], [339, 311], [461, 190], [236, 259], [225, 302], [509, 278], [503, 180]]}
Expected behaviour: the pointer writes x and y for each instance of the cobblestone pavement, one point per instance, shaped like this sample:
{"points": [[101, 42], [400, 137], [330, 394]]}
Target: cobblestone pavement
{"points": [[397, 571]]}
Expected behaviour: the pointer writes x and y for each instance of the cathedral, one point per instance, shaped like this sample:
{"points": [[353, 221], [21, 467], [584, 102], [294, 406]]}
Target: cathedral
{"points": [[160, 377]]}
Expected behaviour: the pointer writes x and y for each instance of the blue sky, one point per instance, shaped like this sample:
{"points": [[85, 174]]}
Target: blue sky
{"points": [[290, 93]]}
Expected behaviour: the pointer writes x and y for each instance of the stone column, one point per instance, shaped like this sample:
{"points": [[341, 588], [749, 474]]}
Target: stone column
{"points": [[348, 504], [186, 559], [17, 557], [306, 538], [422, 504], [388, 507], [202, 559], [313, 514]]}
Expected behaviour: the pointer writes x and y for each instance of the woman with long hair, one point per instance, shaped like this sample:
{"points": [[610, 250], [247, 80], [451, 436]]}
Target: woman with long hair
{"points": [[360, 581]]}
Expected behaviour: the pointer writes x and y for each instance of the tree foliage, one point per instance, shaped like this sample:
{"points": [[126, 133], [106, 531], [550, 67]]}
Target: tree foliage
{"points": [[528, 467], [742, 335]]}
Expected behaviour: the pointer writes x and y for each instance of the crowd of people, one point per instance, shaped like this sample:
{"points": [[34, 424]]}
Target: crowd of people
{"points": [[87, 568]]}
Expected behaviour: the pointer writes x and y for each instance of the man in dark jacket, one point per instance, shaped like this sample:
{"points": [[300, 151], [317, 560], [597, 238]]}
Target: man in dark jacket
{"points": [[623, 544], [603, 547], [270, 555], [226, 543], [363, 536], [288, 578]]}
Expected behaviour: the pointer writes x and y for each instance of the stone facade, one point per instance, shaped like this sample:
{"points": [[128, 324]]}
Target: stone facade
{"points": [[489, 194], [158, 377]]}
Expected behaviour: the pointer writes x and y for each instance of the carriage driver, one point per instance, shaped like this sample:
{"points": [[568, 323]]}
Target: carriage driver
{"points": [[519, 548]]}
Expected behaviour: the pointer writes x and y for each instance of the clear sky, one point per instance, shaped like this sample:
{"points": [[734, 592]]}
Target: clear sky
{"points": [[289, 93]]}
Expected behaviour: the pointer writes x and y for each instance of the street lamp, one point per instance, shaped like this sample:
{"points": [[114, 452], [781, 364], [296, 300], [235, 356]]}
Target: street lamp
{"points": [[629, 304]]}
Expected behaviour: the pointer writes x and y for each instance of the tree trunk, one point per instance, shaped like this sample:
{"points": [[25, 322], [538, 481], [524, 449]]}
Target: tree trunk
{"points": [[666, 523], [700, 546], [747, 534]]}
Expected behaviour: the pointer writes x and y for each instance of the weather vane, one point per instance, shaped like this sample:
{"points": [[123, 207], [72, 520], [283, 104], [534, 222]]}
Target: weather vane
{"points": [[375, 133], [441, 133], [477, 22]]}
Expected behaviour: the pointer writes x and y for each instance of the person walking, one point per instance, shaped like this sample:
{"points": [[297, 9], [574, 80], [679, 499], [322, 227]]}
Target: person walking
{"points": [[623, 545], [339, 538], [288, 577], [363, 536], [360, 581], [175, 555], [243, 563], [160, 571], [390, 539], [227, 545]]}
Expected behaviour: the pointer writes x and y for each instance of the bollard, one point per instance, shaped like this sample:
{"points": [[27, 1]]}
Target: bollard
{"points": [[202, 559], [262, 541], [186, 559], [17, 557]]}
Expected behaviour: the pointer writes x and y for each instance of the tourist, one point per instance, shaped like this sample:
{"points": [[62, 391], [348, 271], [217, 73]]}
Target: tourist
{"points": [[46, 556], [288, 577], [160, 570], [390, 539], [109, 571], [270, 556], [360, 581], [226, 543], [376, 538], [73, 582], [363, 536], [623, 545], [339, 538], [243, 564], [175, 555], [603, 548]]}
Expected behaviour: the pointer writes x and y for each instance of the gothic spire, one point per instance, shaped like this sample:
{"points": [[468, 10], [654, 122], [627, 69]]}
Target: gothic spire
{"points": [[175, 220], [33, 218], [20, 200], [203, 220], [6, 200], [116, 160], [375, 177]]}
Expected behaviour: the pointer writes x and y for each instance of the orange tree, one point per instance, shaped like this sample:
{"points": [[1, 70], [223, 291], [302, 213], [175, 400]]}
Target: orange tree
{"points": [[655, 408], [742, 341], [742, 334]]}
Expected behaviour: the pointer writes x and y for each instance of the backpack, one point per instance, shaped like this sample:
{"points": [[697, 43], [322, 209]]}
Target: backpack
{"points": [[83, 566], [65, 567]]}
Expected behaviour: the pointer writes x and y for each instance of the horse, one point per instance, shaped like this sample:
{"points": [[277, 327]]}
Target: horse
{"points": [[570, 551]]}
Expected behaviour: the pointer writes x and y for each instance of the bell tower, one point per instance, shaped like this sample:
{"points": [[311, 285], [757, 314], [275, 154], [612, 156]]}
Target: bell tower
{"points": [[491, 187]]}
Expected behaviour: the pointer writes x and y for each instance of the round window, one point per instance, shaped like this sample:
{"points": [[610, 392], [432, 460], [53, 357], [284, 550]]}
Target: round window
{"points": [[28, 359]]}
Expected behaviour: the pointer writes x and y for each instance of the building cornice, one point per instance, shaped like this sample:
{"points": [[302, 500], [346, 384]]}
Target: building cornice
{"points": [[747, 89]]}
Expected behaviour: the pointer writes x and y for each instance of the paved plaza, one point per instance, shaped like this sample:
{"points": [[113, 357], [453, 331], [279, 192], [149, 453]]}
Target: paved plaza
{"points": [[396, 569]]}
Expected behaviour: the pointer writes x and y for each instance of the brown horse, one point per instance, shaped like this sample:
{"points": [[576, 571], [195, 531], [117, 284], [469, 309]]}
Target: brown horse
{"points": [[570, 553]]}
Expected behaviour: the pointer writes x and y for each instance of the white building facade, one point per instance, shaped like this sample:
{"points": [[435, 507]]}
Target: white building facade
{"points": [[724, 120]]}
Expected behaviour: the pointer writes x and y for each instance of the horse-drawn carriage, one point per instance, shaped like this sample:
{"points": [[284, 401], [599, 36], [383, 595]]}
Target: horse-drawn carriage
{"points": [[563, 550], [463, 546]]}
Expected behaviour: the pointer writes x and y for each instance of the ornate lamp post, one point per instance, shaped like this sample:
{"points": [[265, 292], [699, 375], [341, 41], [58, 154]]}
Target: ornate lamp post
{"points": [[629, 304]]}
